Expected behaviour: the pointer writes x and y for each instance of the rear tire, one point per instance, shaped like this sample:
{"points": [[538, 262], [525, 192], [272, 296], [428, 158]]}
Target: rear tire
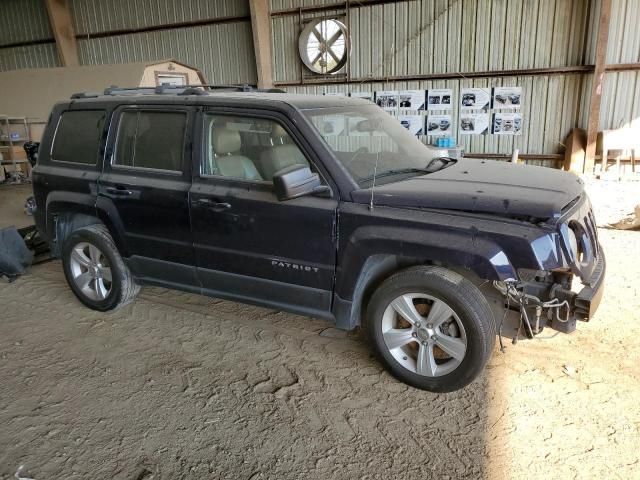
{"points": [[95, 270], [431, 328]]}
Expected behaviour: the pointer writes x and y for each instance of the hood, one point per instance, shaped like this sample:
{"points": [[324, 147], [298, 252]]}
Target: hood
{"points": [[483, 186]]}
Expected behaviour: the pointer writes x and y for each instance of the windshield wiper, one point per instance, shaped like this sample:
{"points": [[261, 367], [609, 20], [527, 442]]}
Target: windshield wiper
{"points": [[398, 171]]}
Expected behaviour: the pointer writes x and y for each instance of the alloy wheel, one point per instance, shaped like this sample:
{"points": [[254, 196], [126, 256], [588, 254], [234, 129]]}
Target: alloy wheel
{"points": [[424, 334]]}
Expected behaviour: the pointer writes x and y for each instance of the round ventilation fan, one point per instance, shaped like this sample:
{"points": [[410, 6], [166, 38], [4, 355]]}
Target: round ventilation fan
{"points": [[323, 45]]}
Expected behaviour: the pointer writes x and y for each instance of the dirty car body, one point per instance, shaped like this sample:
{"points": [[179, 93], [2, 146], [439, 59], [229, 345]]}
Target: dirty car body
{"points": [[526, 232]]}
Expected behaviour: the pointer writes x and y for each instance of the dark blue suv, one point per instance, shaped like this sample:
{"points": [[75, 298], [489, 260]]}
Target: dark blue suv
{"points": [[322, 206]]}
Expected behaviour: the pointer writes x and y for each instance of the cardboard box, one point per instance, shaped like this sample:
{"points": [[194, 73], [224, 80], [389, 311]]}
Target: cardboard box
{"points": [[14, 153]]}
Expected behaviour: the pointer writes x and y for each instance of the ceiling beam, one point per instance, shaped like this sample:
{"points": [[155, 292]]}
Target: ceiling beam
{"points": [[62, 27], [261, 28], [599, 72]]}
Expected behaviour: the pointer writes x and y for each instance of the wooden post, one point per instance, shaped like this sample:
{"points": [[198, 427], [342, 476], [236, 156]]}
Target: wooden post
{"points": [[62, 27], [261, 28], [598, 84]]}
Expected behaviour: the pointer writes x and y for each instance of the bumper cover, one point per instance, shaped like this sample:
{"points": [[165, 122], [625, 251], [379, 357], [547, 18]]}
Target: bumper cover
{"points": [[587, 301]]}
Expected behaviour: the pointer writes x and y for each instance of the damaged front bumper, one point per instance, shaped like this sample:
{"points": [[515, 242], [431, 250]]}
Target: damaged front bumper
{"points": [[583, 305], [545, 298]]}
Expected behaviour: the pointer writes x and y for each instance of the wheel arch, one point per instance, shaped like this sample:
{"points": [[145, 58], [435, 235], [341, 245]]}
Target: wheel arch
{"points": [[363, 268]]}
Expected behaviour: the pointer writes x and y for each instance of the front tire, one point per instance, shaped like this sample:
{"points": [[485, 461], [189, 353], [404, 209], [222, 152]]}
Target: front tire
{"points": [[432, 328], [95, 271]]}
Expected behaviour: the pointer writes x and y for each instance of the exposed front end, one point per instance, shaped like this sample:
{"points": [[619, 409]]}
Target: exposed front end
{"points": [[572, 283]]}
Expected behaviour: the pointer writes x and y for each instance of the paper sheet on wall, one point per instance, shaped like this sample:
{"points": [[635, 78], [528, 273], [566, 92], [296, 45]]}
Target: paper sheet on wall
{"points": [[474, 123], [475, 98]]}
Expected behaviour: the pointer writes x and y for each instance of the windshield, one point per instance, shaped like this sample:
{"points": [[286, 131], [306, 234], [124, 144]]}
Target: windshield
{"points": [[364, 137]]}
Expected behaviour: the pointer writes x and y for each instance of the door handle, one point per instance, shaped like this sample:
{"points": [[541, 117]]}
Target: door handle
{"points": [[119, 192], [213, 205]]}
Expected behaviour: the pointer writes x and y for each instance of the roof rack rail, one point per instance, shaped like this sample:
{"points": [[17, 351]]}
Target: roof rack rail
{"points": [[168, 89]]}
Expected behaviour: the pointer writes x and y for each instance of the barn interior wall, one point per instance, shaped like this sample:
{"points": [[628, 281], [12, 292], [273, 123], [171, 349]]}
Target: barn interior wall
{"points": [[389, 39]]}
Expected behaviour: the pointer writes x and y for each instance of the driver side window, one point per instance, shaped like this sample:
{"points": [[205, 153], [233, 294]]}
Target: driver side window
{"points": [[247, 148]]}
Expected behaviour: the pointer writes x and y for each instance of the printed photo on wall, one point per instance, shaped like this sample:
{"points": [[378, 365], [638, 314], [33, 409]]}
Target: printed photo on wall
{"points": [[475, 98], [474, 123], [507, 124], [387, 99], [507, 97], [412, 99], [365, 95], [439, 99], [438, 125], [413, 123]]}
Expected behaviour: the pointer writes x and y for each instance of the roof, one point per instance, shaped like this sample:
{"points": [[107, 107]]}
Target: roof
{"points": [[33, 92]]}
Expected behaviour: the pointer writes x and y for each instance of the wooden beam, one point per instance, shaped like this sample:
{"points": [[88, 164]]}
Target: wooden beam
{"points": [[62, 27], [261, 28], [593, 124]]}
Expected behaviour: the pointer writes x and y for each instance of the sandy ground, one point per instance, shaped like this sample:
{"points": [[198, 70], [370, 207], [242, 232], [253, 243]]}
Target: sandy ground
{"points": [[183, 386]]}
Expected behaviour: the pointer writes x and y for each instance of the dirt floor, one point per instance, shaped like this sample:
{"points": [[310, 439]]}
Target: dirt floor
{"points": [[184, 386]]}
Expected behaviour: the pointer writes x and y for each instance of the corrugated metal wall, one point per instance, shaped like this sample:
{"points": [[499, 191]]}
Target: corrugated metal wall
{"points": [[93, 16], [223, 51], [409, 37], [443, 36], [621, 93], [25, 21]]}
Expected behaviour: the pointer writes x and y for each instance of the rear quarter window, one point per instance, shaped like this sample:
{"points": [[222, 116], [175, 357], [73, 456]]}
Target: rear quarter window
{"points": [[78, 136]]}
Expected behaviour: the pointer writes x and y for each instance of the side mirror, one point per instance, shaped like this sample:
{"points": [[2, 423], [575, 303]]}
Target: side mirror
{"points": [[295, 181]]}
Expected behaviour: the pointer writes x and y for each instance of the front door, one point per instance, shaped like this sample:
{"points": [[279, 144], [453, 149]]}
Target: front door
{"points": [[144, 188], [248, 245]]}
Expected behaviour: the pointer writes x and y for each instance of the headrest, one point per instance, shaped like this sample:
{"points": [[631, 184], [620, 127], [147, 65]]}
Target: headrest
{"points": [[225, 141], [279, 131]]}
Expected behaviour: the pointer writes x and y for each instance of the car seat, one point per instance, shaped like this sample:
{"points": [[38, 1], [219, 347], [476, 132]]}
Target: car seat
{"points": [[224, 143], [281, 155]]}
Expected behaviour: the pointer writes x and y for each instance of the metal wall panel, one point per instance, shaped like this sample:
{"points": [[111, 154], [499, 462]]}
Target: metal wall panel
{"points": [[624, 34], [620, 100], [224, 52], [443, 36], [23, 21], [34, 56], [93, 16]]}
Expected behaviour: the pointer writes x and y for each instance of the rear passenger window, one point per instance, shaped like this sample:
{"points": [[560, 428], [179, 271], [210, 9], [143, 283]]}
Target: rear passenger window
{"points": [[78, 136], [151, 140]]}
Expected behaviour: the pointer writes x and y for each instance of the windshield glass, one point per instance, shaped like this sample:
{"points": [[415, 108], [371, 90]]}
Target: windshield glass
{"points": [[364, 136]]}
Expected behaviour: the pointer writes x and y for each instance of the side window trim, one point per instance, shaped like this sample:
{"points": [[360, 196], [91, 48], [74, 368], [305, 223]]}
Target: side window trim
{"points": [[148, 108]]}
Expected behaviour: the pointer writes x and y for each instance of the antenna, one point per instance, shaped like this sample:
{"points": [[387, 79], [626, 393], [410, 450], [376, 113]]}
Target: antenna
{"points": [[373, 185]]}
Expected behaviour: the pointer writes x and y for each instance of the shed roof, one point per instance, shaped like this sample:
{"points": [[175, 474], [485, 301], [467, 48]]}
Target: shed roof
{"points": [[33, 92]]}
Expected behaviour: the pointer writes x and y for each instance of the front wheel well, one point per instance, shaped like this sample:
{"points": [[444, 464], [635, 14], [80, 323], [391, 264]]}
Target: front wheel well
{"points": [[378, 268]]}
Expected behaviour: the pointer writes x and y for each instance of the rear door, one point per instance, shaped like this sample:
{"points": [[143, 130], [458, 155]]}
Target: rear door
{"points": [[144, 190], [249, 245]]}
